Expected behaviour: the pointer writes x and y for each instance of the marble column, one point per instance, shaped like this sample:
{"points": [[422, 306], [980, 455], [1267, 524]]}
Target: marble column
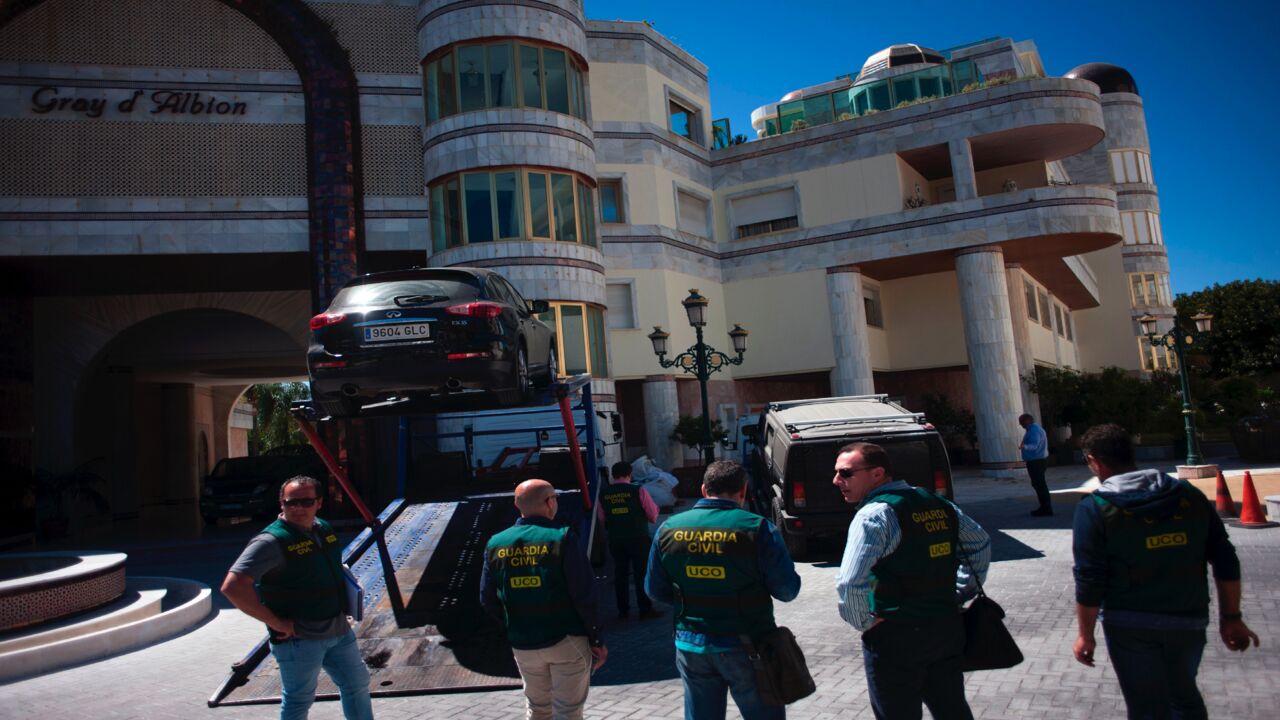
{"points": [[852, 373], [661, 413], [962, 169], [993, 357], [1022, 338]]}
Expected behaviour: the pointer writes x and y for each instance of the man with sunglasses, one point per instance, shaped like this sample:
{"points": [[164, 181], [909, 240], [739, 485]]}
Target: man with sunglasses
{"points": [[290, 577], [538, 581], [906, 571]]}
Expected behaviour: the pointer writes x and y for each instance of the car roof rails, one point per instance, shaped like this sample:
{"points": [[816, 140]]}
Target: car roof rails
{"points": [[786, 404], [799, 425]]}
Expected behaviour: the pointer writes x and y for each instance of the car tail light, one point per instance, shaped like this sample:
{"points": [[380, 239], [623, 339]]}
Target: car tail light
{"points": [[324, 320], [940, 482], [480, 309], [323, 364], [797, 495], [468, 355]]}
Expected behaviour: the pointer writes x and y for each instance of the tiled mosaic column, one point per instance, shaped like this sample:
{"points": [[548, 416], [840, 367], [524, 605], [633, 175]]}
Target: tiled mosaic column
{"points": [[852, 373], [962, 169], [993, 357], [1022, 338], [661, 412]]}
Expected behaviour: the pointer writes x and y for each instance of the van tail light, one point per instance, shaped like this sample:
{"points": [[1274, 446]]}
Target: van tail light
{"points": [[940, 482], [324, 320], [481, 309], [797, 495]]}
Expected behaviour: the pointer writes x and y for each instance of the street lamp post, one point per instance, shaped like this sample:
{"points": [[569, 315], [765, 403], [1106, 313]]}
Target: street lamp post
{"points": [[700, 360], [1176, 339]]}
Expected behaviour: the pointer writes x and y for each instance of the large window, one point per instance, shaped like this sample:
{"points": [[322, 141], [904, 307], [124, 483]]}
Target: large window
{"points": [[1150, 290], [691, 211], [1046, 319], [622, 314], [1156, 358], [511, 204], [506, 74], [612, 209], [871, 305], [1030, 291], [1141, 227], [578, 338], [764, 213], [685, 120], [1131, 166]]}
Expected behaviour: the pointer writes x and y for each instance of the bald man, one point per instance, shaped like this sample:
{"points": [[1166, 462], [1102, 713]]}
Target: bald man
{"points": [[537, 580]]}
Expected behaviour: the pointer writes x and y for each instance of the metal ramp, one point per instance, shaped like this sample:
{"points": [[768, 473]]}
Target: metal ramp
{"points": [[424, 631]]}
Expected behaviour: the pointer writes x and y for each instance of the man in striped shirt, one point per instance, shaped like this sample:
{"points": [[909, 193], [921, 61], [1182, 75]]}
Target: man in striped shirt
{"points": [[907, 568]]}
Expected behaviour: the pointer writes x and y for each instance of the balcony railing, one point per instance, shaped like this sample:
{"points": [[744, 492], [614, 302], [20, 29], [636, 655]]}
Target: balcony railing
{"points": [[900, 90]]}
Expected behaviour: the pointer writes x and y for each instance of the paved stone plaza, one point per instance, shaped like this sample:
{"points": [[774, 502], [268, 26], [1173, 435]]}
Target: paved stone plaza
{"points": [[1031, 578]]}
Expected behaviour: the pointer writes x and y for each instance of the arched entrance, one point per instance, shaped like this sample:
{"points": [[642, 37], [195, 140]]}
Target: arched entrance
{"points": [[334, 192], [153, 406]]}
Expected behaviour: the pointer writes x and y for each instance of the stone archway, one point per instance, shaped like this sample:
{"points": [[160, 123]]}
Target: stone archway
{"points": [[335, 195], [149, 402]]}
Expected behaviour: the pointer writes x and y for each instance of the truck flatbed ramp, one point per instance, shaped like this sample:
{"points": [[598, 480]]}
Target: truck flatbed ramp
{"points": [[442, 640]]}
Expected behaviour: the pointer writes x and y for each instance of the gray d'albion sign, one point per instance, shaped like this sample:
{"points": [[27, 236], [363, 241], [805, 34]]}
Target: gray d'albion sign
{"points": [[173, 102]]}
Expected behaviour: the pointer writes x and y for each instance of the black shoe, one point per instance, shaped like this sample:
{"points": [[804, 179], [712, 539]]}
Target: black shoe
{"points": [[1042, 512], [650, 614]]}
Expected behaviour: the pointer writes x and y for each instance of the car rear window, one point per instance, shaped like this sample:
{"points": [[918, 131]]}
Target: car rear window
{"points": [[910, 459], [386, 293]]}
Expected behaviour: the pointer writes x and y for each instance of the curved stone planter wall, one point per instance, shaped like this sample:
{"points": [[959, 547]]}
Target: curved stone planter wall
{"points": [[39, 587]]}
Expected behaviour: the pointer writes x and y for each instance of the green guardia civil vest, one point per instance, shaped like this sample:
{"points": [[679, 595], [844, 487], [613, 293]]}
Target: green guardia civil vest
{"points": [[1157, 564], [311, 585], [917, 580], [711, 555], [624, 517], [527, 564]]}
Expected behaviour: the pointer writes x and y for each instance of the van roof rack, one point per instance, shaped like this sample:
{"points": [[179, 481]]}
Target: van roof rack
{"points": [[799, 425], [818, 401]]}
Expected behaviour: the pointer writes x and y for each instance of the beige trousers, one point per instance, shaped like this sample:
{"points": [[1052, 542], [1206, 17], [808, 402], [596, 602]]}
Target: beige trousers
{"points": [[556, 679]]}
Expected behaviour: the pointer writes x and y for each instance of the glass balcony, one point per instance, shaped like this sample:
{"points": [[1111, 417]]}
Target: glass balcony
{"points": [[933, 82]]}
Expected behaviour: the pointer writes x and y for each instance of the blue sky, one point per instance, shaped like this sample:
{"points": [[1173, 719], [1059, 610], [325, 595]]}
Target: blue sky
{"points": [[1206, 72]]}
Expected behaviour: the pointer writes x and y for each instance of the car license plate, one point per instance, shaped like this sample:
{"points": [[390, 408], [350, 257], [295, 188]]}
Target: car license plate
{"points": [[401, 331]]}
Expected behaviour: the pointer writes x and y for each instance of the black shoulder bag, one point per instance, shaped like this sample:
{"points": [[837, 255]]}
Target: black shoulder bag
{"points": [[987, 642], [782, 677]]}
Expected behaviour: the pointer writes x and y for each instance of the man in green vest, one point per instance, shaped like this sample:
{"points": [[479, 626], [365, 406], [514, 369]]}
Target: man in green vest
{"points": [[907, 567], [626, 511], [538, 581], [1141, 542], [290, 577], [721, 567]]}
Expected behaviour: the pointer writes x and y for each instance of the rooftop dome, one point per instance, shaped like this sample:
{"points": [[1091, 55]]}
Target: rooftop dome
{"points": [[1109, 78], [898, 55]]}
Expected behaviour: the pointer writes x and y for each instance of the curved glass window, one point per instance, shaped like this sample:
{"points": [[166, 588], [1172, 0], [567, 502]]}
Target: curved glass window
{"points": [[473, 77], [511, 204], [578, 332]]}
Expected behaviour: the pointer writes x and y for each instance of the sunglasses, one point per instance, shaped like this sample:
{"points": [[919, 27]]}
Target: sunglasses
{"points": [[300, 502], [846, 473]]}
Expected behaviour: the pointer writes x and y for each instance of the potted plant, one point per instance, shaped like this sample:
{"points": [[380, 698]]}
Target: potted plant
{"points": [[688, 432]]}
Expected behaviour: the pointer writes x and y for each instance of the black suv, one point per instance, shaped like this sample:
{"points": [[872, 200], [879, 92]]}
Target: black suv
{"points": [[250, 486], [795, 448]]}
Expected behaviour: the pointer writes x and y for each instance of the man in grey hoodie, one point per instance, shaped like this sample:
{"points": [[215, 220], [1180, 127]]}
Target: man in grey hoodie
{"points": [[1141, 543]]}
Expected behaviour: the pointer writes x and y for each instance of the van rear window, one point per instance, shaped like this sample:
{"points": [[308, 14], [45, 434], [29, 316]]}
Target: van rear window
{"points": [[910, 458]]}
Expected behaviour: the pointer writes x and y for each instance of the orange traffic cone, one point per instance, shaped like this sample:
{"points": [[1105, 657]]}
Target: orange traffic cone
{"points": [[1226, 506], [1250, 509]]}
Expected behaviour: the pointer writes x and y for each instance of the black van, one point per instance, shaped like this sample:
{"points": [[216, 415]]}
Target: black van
{"points": [[795, 447]]}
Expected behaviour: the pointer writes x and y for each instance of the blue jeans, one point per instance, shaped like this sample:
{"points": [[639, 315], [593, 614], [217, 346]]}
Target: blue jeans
{"points": [[707, 676], [1157, 671], [909, 663], [300, 662]]}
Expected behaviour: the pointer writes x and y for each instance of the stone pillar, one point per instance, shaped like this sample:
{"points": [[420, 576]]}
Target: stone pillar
{"points": [[123, 493], [852, 373], [181, 484], [1022, 338], [962, 169], [661, 413], [993, 357]]}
